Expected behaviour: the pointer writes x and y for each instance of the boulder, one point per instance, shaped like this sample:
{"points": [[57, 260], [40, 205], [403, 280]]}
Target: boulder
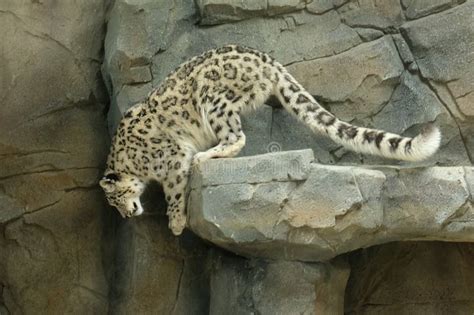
{"points": [[305, 211]]}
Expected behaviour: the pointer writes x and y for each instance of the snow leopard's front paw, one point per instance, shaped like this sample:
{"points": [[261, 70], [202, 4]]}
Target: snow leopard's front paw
{"points": [[177, 224]]}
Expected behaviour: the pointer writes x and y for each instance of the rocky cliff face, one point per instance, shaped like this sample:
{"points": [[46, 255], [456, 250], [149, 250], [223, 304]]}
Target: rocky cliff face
{"points": [[53, 141], [68, 71]]}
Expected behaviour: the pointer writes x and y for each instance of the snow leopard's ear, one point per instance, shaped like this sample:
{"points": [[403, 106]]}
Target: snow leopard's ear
{"points": [[108, 182]]}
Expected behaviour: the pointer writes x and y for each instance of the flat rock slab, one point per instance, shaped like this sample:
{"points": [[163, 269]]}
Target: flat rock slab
{"points": [[285, 205]]}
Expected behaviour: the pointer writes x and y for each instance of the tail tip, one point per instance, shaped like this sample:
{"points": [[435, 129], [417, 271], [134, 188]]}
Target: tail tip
{"points": [[428, 129], [430, 139]]}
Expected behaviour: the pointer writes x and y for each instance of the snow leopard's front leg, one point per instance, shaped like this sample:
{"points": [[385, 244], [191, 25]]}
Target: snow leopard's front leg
{"points": [[174, 186], [228, 129]]}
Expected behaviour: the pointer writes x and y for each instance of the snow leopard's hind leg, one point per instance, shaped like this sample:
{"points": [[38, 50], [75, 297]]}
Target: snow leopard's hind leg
{"points": [[174, 187], [228, 129]]}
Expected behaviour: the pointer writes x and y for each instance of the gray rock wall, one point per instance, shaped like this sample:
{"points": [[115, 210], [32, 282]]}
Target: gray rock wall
{"points": [[68, 69], [240, 286], [54, 240], [411, 278], [387, 64]]}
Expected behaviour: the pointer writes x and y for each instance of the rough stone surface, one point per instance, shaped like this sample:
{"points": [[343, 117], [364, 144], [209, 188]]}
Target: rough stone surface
{"points": [[155, 272], [373, 66], [282, 166], [379, 15], [322, 6], [241, 286], [222, 11], [268, 131], [326, 210], [446, 59], [394, 279], [137, 30], [53, 140], [445, 56], [418, 8], [405, 53]]}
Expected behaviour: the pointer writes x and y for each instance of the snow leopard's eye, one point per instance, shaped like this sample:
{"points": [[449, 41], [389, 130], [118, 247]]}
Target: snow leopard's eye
{"points": [[112, 177]]}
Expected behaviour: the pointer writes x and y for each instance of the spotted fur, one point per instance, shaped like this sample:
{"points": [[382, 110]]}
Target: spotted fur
{"points": [[194, 115]]}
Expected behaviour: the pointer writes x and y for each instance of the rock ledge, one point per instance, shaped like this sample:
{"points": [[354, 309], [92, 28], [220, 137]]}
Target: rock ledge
{"points": [[285, 205]]}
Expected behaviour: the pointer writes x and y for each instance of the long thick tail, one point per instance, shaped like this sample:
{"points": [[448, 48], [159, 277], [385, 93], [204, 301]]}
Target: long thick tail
{"points": [[364, 140]]}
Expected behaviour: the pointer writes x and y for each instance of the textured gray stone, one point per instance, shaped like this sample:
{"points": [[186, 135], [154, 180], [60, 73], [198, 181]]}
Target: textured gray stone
{"points": [[369, 34], [221, 11], [446, 56], [322, 6], [415, 9], [404, 51], [325, 34], [258, 131], [137, 32], [330, 211], [289, 165], [445, 59], [411, 105], [380, 15], [276, 7], [345, 78], [241, 286], [156, 273], [153, 271], [139, 74], [53, 143], [272, 129], [392, 279]]}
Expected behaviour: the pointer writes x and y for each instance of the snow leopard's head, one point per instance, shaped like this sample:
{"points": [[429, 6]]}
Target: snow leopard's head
{"points": [[123, 192]]}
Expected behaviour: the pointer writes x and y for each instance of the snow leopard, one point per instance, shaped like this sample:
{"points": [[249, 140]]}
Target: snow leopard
{"points": [[195, 115]]}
